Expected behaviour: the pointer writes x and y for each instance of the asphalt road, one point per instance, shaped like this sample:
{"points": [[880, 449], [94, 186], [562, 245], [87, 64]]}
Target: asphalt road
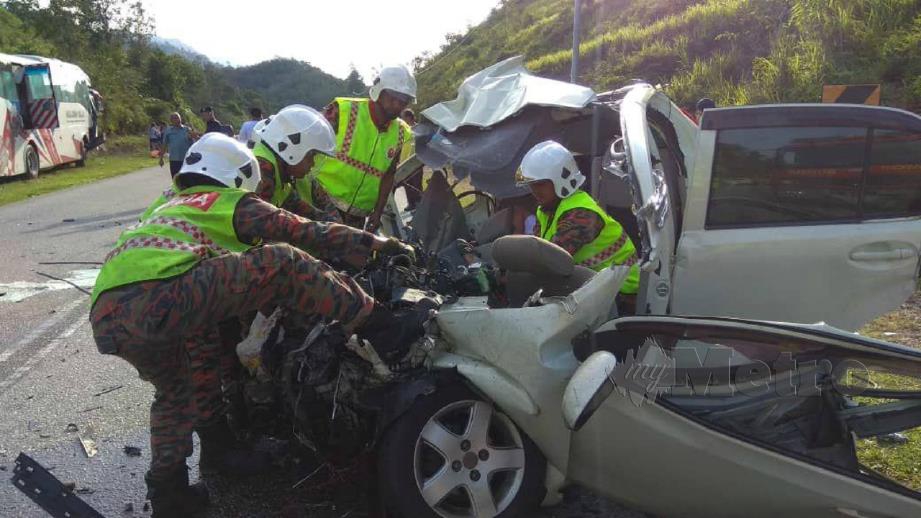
{"points": [[55, 387]]}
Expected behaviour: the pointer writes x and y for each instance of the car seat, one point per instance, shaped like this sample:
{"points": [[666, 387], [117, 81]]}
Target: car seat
{"points": [[533, 264]]}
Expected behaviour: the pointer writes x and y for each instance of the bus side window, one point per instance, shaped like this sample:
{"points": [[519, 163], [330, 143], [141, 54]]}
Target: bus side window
{"points": [[8, 87]]}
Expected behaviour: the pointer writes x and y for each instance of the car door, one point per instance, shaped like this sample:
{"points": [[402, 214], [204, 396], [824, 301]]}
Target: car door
{"points": [[723, 417], [631, 159], [802, 213]]}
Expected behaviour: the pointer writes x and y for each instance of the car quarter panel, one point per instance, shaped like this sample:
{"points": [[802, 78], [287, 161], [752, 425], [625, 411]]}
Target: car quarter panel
{"points": [[652, 458]]}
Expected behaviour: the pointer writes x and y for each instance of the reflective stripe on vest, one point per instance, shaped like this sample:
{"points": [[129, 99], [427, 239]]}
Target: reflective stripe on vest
{"points": [[282, 189], [611, 246], [195, 224], [364, 155]]}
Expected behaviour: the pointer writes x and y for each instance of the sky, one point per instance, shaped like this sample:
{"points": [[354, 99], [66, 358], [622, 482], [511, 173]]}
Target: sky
{"points": [[331, 35]]}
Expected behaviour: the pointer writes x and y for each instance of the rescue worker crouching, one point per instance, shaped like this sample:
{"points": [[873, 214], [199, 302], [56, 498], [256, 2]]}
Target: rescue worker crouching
{"points": [[572, 219], [285, 167], [370, 138], [193, 262]]}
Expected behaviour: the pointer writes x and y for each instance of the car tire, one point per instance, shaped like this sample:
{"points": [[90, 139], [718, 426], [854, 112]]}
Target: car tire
{"points": [[468, 469], [32, 162]]}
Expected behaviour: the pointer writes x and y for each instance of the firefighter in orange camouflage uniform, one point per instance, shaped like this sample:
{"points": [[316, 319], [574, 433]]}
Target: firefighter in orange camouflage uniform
{"points": [[195, 261]]}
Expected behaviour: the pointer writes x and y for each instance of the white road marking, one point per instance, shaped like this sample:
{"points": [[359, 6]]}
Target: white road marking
{"points": [[44, 351], [21, 290], [40, 329]]}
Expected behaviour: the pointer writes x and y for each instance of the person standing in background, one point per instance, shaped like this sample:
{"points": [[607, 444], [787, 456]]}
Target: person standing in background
{"points": [[176, 141], [212, 125], [154, 137], [246, 129], [702, 105]]}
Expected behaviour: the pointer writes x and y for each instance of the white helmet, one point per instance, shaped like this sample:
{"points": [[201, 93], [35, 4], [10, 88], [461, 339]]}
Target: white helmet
{"points": [[222, 158], [295, 131], [397, 79], [549, 160]]}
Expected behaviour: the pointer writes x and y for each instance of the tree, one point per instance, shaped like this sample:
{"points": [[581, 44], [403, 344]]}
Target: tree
{"points": [[354, 84]]}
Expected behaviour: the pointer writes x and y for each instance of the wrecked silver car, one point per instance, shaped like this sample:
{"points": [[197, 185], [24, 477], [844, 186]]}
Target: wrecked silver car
{"points": [[800, 213]]}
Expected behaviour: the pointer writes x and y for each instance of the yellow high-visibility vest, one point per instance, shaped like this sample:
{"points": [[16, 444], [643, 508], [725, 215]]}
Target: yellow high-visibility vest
{"points": [[363, 155], [611, 246]]}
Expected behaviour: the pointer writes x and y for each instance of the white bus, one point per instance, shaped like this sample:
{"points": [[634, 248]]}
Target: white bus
{"points": [[49, 115]]}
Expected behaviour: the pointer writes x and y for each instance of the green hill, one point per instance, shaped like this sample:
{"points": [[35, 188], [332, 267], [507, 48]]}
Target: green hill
{"points": [[144, 78], [287, 81], [736, 51]]}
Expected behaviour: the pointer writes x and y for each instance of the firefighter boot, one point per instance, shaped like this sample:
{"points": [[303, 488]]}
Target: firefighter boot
{"points": [[221, 453], [171, 495]]}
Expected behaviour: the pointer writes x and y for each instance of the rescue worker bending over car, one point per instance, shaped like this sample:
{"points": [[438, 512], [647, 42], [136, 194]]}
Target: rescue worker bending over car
{"points": [[370, 137], [274, 152], [195, 261], [571, 218]]}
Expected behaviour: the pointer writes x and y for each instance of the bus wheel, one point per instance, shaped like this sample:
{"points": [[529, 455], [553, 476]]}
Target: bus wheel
{"points": [[32, 164], [82, 161]]}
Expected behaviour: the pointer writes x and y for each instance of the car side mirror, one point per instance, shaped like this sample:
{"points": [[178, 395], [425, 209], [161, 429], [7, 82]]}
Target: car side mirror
{"points": [[588, 388], [615, 159]]}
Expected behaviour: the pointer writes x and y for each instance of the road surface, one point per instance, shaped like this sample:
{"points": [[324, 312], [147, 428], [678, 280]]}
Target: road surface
{"points": [[55, 387]]}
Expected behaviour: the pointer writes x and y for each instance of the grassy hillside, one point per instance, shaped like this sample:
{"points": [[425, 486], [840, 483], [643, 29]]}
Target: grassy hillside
{"points": [[736, 51]]}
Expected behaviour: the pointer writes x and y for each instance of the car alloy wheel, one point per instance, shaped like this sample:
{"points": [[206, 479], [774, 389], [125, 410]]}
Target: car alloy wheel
{"points": [[469, 460]]}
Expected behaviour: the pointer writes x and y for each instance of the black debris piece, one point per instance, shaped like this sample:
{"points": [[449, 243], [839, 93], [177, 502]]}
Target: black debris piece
{"points": [[132, 451]]}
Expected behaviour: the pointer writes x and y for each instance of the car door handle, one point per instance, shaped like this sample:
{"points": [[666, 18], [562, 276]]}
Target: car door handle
{"points": [[889, 255]]}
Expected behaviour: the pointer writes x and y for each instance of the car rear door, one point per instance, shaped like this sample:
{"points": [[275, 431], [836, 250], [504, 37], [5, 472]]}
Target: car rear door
{"points": [[801, 213], [731, 418]]}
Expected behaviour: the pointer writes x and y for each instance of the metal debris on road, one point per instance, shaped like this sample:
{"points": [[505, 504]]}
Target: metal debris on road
{"points": [[106, 391], [90, 409], [132, 451], [71, 428], [88, 441], [52, 277], [47, 491], [70, 262]]}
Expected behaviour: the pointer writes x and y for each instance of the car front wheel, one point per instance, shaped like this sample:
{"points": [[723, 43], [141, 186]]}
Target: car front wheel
{"points": [[453, 454]]}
